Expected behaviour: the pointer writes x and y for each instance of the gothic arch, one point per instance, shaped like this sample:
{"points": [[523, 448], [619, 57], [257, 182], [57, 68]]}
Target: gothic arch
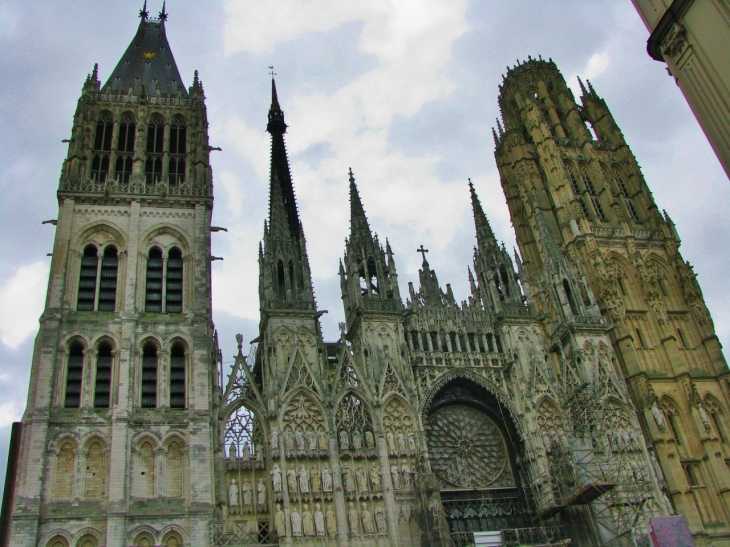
{"points": [[144, 339], [298, 374], [143, 436], [72, 436], [92, 436], [302, 417], [398, 421], [177, 238], [115, 235], [104, 336], [171, 436], [173, 532], [180, 338], [56, 538], [88, 533], [75, 336], [243, 421], [480, 381], [65, 466], [129, 114], [140, 531], [353, 420]]}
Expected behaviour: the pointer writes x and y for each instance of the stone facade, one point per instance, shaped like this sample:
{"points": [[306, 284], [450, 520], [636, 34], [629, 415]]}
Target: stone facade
{"points": [[427, 420], [589, 196]]}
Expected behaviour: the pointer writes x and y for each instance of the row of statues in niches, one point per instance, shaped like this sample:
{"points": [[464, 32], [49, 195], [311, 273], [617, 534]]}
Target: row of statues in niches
{"points": [[358, 477], [363, 520], [246, 452], [247, 495], [307, 441]]}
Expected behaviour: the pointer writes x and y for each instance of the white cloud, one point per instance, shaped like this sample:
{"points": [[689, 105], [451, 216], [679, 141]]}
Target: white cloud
{"points": [[21, 303], [412, 42], [9, 413], [596, 65]]}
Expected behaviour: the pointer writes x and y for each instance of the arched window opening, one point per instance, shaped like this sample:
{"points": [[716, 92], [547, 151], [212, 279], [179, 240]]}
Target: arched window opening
{"points": [[65, 466], [144, 541], [569, 296], [454, 343], [58, 542], [623, 189], [87, 279], [415, 340], [99, 167], [292, 285], [174, 282], [103, 136], [712, 406], [599, 209], [663, 287], [153, 293], [632, 211], [242, 436], [177, 376], [149, 376], [435, 341], [125, 149], [499, 343], [462, 342], [490, 343], [108, 282], [584, 207], [87, 541], [444, 343], [573, 179], [505, 279], [498, 286], [173, 540], [373, 277], [178, 148], [94, 478], [74, 375], [472, 342], [281, 278], [622, 285], [672, 413], [155, 141], [587, 181], [102, 385]]}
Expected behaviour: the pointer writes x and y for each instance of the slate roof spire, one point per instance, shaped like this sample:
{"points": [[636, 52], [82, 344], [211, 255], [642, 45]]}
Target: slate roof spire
{"points": [[148, 61], [359, 226], [283, 214], [485, 235]]}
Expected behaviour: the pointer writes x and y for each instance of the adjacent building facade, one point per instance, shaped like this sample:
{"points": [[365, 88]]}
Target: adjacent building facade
{"points": [[691, 37], [576, 393]]}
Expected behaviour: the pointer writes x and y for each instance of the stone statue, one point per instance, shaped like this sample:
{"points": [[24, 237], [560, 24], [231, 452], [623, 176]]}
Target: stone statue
{"points": [[276, 478], [401, 442], [380, 520], [279, 522], [233, 451], [303, 480], [315, 479], [311, 440], [331, 522], [396, 476], [344, 441], [246, 489], [704, 417], [261, 492], [658, 415], [326, 479], [246, 451], [289, 441], [367, 520], [307, 521], [299, 438], [357, 440], [369, 439], [353, 518], [318, 521], [233, 494], [347, 480], [391, 441], [322, 440], [375, 477], [291, 481], [296, 523], [412, 442], [274, 439], [407, 476], [361, 478]]}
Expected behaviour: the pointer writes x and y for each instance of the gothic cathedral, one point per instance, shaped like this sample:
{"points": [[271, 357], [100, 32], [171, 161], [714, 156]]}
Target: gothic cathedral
{"points": [[578, 392]]}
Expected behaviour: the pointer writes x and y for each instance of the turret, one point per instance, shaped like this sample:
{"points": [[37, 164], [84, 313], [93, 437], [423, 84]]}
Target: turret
{"points": [[368, 275], [596, 112]]}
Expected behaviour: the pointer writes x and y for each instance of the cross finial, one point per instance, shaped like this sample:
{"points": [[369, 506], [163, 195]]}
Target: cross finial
{"points": [[352, 175], [271, 68], [423, 252]]}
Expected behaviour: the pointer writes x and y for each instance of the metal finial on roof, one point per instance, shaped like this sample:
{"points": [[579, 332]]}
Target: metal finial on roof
{"points": [[143, 13], [271, 68], [163, 14], [352, 175]]}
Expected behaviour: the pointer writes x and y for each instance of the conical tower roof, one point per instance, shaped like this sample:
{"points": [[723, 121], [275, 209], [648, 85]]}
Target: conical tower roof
{"points": [[148, 60], [359, 226]]}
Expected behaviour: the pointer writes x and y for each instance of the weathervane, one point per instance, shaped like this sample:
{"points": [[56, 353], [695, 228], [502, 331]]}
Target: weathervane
{"points": [[271, 68]]}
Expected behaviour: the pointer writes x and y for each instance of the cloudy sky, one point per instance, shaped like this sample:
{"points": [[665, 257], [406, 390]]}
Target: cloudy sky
{"points": [[402, 91]]}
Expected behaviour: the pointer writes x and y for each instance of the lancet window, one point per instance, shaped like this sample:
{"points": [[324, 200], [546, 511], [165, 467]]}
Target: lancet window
{"points": [[178, 149], [587, 181], [153, 296], [174, 282], [125, 149], [177, 376], [174, 470], [155, 142], [87, 279], [599, 209], [65, 471], [102, 147], [149, 376], [95, 470], [672, 413], [102, 384], [108, 281], [354, 425], [242, 436], [714, 409], [74, 375], [146, 464]]}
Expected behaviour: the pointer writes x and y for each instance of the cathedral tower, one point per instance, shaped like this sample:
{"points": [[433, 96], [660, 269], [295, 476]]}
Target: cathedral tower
{"points": [[583, 191], [117, 435]]}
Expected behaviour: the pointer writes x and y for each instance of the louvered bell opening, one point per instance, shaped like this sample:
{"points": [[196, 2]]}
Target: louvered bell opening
{"points": [[87, 280], [74, 375], [153, 295], [149, 379], [174, 282], [108, 281], [102, 386], [177, 379]]}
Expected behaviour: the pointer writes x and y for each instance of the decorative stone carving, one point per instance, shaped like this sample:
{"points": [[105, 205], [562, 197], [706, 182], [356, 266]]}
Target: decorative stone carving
{"points": [[395, 474], [279, 522], [361, 479], [315, 480], [326, 479], [319, 525], [261, 493], [353, 519], [307, 521], [276, 478], [407, 475], [347, 480], [246, 491], [356, 440], [380, 520], [331, 522], [344, 441], [369, 440], [367, 520], [303, 480], [375, 477], [296, 523], [291, 481], [233, 494]]}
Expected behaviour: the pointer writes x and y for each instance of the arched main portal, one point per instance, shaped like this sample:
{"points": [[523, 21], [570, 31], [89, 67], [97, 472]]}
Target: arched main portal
{"points": [[474, 451]]}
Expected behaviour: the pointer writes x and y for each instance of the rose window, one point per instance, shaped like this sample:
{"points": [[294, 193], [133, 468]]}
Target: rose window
{"points": [[467, 449]]}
